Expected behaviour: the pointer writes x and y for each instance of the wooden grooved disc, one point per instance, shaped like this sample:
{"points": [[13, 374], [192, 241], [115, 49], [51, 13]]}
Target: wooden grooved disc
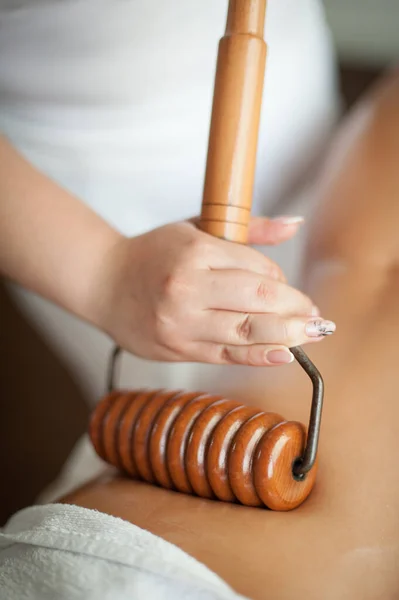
{"points": [[178, 438], [111, 426], [241, 457], [142, 433], [219, 448], [273, 462], [197, 445], [160, 436], [97, 420], [126, 429]]}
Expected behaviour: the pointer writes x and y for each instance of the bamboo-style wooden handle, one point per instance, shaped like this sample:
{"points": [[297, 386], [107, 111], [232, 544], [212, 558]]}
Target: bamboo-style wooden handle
{"points": [[233, 138]]}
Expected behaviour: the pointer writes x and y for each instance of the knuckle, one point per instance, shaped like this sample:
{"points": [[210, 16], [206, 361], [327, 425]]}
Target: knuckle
{"points": [[176, 347], [169, 284], [164, 331], [167, 332], [163, 321], [277, 273], [226, 356], [265, 290], [174, 285], [285, 331], [293, 332], [248, 356], [195, 245], [271, 268], [173, 343], [244, 328], [197, 250], [252, 356]]}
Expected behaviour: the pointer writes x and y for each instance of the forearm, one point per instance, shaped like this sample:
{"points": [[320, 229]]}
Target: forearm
{"points": [[50, 242]]}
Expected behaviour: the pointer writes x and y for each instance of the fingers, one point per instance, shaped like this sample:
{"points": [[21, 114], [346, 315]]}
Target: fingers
{"points": [[263, 231], [269, 232], [261, 355], [257, 356], [246, 292], [237, 256], [240, 329], [219, 254]]}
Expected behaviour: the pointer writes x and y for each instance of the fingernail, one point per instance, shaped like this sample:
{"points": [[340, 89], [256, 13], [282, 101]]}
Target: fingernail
{"points": [[279, 357], [319, 327], [288, 220]]}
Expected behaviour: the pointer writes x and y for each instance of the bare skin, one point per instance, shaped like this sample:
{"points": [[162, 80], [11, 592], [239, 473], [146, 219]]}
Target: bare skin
{"points": [[343, 543]]}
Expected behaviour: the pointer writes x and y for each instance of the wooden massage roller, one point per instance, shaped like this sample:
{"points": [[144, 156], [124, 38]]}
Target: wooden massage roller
{"points": [[201, 443]]}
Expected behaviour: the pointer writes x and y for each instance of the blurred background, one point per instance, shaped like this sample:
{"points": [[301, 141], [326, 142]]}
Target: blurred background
{"points": [[46, 404], [366, 36], [365, 31]]}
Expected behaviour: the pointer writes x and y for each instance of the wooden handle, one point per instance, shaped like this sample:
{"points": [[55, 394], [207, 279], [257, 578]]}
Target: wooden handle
{"points": [[233, 138]]}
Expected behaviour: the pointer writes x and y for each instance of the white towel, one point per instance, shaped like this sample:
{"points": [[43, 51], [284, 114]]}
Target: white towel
{"points": [[62, 552]]}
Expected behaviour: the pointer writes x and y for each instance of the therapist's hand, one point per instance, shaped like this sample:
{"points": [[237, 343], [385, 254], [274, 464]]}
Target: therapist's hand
{"points": [[178, 294]]}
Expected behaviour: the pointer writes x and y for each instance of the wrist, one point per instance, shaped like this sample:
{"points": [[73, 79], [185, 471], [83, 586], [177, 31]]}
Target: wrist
{"points": [[97, 291]]}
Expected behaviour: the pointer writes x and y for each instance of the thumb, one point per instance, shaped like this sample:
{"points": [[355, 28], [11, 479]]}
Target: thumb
{"points": [[270, 232]]}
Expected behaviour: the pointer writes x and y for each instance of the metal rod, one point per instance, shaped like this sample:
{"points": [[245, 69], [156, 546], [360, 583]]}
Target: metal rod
{"points": [[112, 368], [303, 465]]}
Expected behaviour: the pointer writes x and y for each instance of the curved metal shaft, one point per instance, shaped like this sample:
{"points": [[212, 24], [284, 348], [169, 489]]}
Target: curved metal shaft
{"points": [[306, 462], [112, 368]]}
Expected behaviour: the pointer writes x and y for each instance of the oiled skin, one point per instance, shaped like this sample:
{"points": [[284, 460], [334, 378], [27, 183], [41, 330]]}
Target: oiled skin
{"points": [[343, 543]]}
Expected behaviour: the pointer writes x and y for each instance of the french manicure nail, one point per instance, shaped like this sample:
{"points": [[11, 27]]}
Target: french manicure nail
{"points": [[288, 220], [319, 327], [279, 357]]}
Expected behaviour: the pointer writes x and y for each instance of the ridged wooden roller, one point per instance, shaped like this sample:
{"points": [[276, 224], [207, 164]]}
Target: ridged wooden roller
{"points": [[203, 444], [199, 443]]}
